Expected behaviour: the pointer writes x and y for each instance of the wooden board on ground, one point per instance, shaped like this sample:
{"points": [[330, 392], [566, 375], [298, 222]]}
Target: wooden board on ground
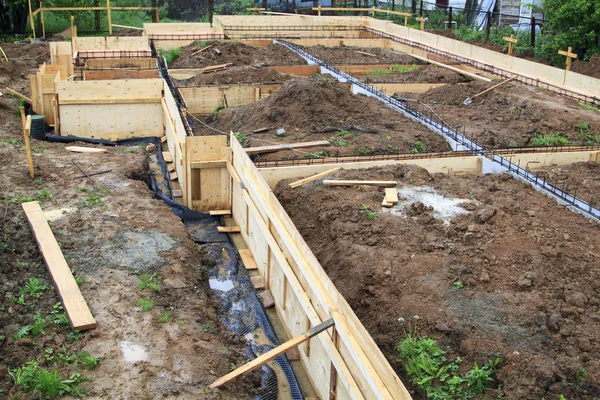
{"points": [[313, 178], [220, 212], [391, 195], [167, 157], [258, 282], [357, 183], [290, 146], [247, 259], [229, 229], [267, 298], [77, 149], [74, 304]]}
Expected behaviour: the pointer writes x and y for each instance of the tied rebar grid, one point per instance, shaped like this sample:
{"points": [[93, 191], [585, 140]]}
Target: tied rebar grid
{"points": [[487, 67], [439, 126]]}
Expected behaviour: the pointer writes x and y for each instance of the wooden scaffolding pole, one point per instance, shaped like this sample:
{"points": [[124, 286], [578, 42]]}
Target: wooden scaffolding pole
{"points": [[31, 19], [108, 17], [42, 18]]}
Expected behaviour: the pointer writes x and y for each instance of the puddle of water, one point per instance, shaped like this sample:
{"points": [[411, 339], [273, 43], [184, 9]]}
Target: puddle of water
{"points": [[133, 352], [223, 286], [444, 208]]}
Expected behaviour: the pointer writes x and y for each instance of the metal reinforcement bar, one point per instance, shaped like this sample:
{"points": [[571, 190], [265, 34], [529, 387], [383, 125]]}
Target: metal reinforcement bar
{"points": [[294, 28], [485, 67], [460, 139], [185, 36]]}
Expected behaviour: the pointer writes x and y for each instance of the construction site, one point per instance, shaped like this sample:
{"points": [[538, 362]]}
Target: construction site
{"points": [[272, 206]]}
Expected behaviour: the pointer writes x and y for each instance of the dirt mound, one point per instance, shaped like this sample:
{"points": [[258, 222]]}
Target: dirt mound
{"points": [[418, 74], [581, 179], [512, 114], [314, 109], [234, 75], [235, 53], [527, 268], [23, 60], [590, 68], [128, 32], [341, 55]]}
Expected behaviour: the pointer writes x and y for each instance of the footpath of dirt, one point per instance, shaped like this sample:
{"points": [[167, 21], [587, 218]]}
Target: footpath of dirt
{"points": [[510, 115], [345, 55], [323, 109], [582, 179], [110, 237], [529, 268], [418, 74], [236, 53], [590, 68], [237, 75]]}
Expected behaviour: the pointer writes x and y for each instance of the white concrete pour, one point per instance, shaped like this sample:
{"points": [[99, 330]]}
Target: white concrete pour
{"points": [[224, 286], [444, 208], [133, 352]]}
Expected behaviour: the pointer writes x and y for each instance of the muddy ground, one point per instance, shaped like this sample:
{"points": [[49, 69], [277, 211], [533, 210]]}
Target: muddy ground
{"points": [[111, 234], [510, 115], [236, 75], [236, 53], [324, 109], [580, 179], [345, 55], [590, 68], [415, 74], [529, 277]]}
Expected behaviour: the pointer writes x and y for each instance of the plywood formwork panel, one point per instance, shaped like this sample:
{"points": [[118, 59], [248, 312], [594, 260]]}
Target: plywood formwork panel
{"points": [[288, 20], [89, 43], [582, 82], [132, 43], [101, 75], [447, 165], [207, 188], [111, 121], [378, 43], [178, 27], [61, 53], [533, 161], [121, 62], [117, 89], [204, 99], [537, 70]]}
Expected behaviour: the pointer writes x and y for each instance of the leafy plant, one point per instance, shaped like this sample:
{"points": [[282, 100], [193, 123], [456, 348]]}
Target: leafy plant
{"points": [[365, 209], [458, 284], [146, 304], [95, 200], [208, 326], [151, 281], [165, 317], [88, 361], [549, 139], [19, 300], [39, 325], [34, 288], [580, 378], [395, 69], [417, 147], [589, 107], [241, 137], [23, 332], [316, 154], [75, 335], [215, 114], [170, 55], [587, 134], [58, 316]]}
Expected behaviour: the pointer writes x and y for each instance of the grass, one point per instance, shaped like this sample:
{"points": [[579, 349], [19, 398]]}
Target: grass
{"points": [[150, 281], [395, 69], [316, 154], [208, 326], [165, 317], [88, 361], [31, 378], [365, 151], [34, 288], [587, 134], [94, 200], [549, 139], [426, 365], [170, 55], [342, 138], [589, 107], [365, 209], [215, 114], [145, 304]]}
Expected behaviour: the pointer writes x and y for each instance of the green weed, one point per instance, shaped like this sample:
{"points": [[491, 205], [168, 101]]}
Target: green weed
{"points": [[417, 147], [34, 288], [95, 200], [79, 279], [365, 209], [75, 335], [170, 55], [58, 316], [425, 363], [316, 154], [580, 378], [365, 151], [19, 300], [165, 317], [23, 332], [208, 326], [49, 384], [14, 142], [587, 134], [549, 139], [215, 113], [39, 181], [395, 69], [458, 284], [589, 107], [232, 367], [145, 304], [39, 325], [241, 137], [87, 361], [21, 200], [151, 281]]}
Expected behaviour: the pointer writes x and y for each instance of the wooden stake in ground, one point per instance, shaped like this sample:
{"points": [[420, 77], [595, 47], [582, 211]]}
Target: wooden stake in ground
{"points": [[422, 21], [268, 356], [26, 133], [511, 42], [570, 56]]}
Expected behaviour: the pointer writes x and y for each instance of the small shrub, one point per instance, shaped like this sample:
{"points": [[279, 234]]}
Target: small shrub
{"points": [[549, 139], [170, 55], [365, 209], [417, 147], [145, 304]]}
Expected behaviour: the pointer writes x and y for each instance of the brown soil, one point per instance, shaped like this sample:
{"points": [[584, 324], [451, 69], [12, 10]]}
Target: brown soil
{"points": [[23, 60], [236, 53], [314, 105], [130, 232], [590, 68], [528, 266], [234, 75], [128, 32], [424, 74], [345, 55], [510, 115], [582, 179]]}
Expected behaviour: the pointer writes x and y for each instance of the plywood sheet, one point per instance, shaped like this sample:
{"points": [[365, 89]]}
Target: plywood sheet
{"points": [[113, 89]]}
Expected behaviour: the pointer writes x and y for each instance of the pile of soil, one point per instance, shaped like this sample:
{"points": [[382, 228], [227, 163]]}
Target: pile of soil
{"points": [[235, 75], [345, 55], [424, 74], [529, 269], [24, 59], [510, 115], [313, 109], [235, 53], [590, 68], [582, 179], [128, 32]]}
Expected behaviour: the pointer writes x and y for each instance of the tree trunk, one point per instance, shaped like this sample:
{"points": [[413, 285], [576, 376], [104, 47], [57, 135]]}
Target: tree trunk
{"points": [[19, 15], [97, 15], [4, 18]]}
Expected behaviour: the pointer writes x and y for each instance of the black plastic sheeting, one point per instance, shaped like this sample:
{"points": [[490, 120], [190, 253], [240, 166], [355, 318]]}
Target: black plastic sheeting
{"points": [[242, 310]]}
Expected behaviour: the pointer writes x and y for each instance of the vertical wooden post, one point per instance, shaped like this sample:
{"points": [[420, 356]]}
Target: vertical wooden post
{"points": [[511, 42], [26, 133], [31, 19], [333, 372], [319, 11], [533, 32], [570, 55], [108, 17], [42, 18]]}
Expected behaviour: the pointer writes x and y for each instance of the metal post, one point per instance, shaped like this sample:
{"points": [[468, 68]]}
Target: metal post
{"points": [[413, 7], [393, 5], [211, 7], [450, 17], [533, 32], [488, 26], [421, 9]]}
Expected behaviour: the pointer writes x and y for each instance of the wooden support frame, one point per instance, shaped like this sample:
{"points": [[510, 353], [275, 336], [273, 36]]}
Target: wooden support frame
{"points": [[511, 42], [570, 57]]}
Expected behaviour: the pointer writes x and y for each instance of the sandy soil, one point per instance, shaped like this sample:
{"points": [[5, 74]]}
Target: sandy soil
{"points": [[350, 55], [530, 276], [236, 53], [313, 109], [581, 179], [510, 115], [110, 242]]}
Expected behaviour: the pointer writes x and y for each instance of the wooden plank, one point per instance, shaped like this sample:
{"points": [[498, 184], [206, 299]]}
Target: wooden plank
{"points": [[229, 229], [313, 178], [26, 134], [206, 188], [356, 183], [220, 212], [279, 147], [77, 149], [19, 95], [132, 100], [74, 304], [173, 175], [268, 356], [391, 195], [247, 259], [167, 157], [460, 71], [268, 301], [384, 203], [111, 74], [208, 164], [258, 282]]}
